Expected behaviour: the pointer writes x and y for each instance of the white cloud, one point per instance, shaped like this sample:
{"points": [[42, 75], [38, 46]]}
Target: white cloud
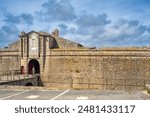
{"points": [[53, 11], [92, 25]]}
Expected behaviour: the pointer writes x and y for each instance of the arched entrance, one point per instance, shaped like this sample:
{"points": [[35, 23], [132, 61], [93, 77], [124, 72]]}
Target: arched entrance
{"points": [[29, 84], [33, 67]]}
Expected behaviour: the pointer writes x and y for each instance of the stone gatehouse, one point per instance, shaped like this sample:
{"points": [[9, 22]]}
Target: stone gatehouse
{"points": [[64, 64]]}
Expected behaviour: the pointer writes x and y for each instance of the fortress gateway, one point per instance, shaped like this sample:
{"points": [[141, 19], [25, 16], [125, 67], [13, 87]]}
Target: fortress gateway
{"points": [[65, 64]]}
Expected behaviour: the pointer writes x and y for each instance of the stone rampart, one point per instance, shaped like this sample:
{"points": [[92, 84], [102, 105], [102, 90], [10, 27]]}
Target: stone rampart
{"points": [[9, 60], [101, 69]]}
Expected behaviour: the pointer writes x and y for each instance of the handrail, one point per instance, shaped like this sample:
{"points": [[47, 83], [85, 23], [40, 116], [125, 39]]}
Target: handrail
{"points": [[14, 75]]}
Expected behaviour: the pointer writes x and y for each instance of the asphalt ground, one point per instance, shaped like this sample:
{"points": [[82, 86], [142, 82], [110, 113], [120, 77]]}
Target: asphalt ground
{"points": [[44, 94]]}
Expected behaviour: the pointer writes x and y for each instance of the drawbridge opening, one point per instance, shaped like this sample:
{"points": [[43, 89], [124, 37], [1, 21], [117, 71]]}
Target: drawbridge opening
{"points": [[33, 67], [29, 84], [34, 70]]}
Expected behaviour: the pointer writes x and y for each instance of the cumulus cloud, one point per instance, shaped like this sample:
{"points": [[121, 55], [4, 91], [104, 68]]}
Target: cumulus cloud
{"points": [[85, 28], [8, 34], [57, 11], [90, 24], [100, 32], [124, 33], [23, 18], [9, 25], [63, 28]]}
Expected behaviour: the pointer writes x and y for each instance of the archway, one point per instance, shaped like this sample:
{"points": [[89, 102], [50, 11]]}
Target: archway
{"points": [[33, 67], [29, 84]]}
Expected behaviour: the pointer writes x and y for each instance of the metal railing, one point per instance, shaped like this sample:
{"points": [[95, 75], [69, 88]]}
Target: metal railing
{"points": [[14, 75]]}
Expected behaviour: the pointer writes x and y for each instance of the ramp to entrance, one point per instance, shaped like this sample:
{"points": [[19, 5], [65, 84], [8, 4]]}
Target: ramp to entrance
{"points": [[15, 78]]}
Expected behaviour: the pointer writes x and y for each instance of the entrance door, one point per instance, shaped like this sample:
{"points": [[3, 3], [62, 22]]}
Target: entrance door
{"points": [[22, 70], [33, 67]]}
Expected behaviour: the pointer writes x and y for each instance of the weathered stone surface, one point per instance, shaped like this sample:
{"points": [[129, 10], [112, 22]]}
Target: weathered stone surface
{"points": [[65, 64], [9, 60]]}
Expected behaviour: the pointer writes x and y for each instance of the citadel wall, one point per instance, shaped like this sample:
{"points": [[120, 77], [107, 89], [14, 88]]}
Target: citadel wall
{"points": [[9, 60], [66, 64], [101, 69]]}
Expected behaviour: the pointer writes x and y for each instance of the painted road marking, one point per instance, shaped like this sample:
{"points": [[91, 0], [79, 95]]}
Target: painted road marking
{"points": [[13, 95], [82, 98], [32, 96], [60, 94]]}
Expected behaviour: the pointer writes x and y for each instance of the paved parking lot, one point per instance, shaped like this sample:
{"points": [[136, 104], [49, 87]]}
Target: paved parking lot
{"points": [[27, 94]]}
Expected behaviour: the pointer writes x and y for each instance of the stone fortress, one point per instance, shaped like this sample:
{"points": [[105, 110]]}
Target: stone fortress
{"points": [[64, 64]]}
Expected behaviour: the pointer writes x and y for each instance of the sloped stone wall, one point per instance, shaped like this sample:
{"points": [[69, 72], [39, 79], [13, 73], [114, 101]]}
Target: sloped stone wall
{"points": [[126, 72], [67, 44], [88, 69], [9, 60], [72, 72], [97, 69], [15, 46]]}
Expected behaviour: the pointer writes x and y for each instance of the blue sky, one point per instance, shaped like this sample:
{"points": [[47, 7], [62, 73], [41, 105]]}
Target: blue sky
{"points": [[93, 23]]}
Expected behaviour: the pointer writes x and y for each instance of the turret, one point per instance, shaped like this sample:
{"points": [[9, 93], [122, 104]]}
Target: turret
{"points": [[55, 33]]}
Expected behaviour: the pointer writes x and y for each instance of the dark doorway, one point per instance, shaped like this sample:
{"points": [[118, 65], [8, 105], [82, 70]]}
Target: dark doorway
{"points": [[29, 84], [33, 67]]}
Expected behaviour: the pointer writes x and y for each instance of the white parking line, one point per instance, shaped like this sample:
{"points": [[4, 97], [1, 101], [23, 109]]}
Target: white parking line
{"points": [[60, 94], [32, 96], [13, 95], [82, 98]]}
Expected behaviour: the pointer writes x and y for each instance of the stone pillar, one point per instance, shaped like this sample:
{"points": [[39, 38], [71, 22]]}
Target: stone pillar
{"points": [[22, 35]]}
